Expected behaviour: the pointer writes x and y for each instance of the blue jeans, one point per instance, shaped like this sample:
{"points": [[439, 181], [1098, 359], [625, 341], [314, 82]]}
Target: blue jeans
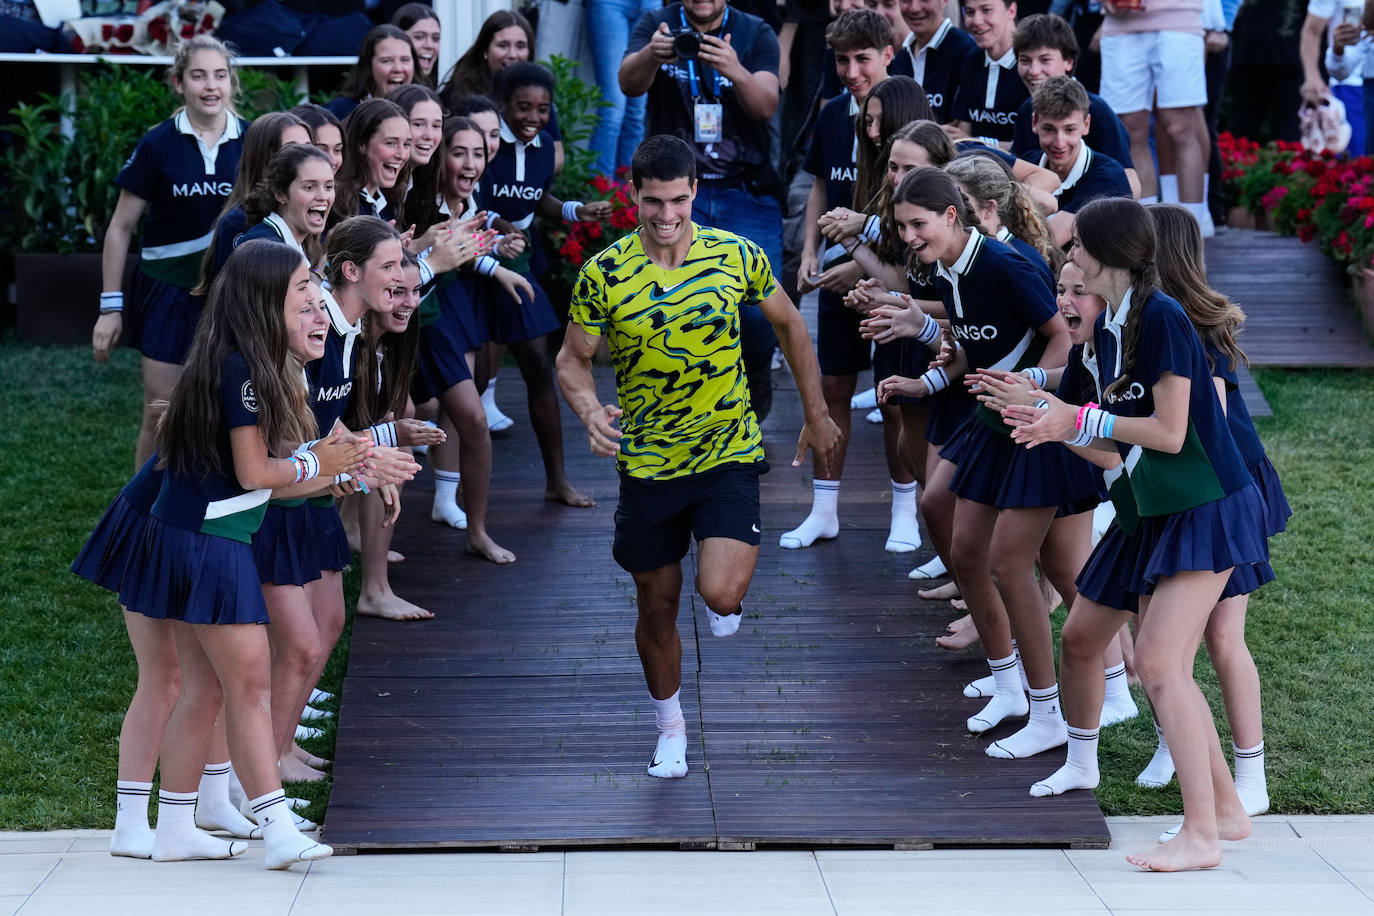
{"points": [[758, 219], [621, 127], [1357, 100]]}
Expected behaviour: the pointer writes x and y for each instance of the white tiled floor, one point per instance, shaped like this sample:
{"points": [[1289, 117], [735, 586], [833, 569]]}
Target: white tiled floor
{"points": [[1292, 865]]}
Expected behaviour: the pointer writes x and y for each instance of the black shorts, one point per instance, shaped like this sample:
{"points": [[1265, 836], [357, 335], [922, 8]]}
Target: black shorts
{"points": [[655, 519], [840, 348]]}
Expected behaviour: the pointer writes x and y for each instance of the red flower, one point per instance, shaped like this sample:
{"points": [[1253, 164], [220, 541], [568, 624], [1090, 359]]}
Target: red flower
{"points": [[1304, 215], [591, 230], [1307, 232], [623, 172], [601, 184], [572, 250]]}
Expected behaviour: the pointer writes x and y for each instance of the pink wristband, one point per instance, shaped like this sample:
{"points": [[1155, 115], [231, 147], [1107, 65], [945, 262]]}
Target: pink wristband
{"points": [[1078, 424]]}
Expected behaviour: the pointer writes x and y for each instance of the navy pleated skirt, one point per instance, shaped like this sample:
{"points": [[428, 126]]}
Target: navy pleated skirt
{"points": [[166, 319], [460, 328], [1223, 534], [992, 469], [328, 535], [1276, 508], [948, 411], [284, 547], [180, 574], [904, 357], [516, 322], [106, 553]]}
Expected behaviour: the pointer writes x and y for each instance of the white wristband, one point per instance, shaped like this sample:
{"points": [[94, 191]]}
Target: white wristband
{"points": [[383, 434], [486, 265], [570, 210], [1082, 438], [936, 379], [873, 229], [111, 302], [312, 464], [930, 332], [1036, 375]]}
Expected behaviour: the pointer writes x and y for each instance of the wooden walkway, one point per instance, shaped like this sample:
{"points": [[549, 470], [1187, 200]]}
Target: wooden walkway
{"points": [[519, 718]]}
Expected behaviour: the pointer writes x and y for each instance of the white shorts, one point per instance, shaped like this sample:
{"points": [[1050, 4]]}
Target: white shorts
{"points": [[1143, 69]]}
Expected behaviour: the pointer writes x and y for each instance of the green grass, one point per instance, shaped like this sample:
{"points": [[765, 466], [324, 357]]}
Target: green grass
{"points": [[67, 429]]}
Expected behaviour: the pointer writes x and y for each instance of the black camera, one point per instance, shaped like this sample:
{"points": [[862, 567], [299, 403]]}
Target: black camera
{"points": [[687, 43]]}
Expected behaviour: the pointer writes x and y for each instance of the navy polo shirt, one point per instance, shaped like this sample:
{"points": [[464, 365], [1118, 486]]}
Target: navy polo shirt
{"points": [[185, 184], [1106, 133], [833, 156], [1028, 251], [1238, 418], [518, 176], [1209, 466], [937, 66], [989, 95], [331, 376], [995, 300], [1093, 175], [213, 502], [744, 148]]}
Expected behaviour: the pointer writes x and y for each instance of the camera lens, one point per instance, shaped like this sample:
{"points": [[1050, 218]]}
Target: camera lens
{"points": [[687, 45]]}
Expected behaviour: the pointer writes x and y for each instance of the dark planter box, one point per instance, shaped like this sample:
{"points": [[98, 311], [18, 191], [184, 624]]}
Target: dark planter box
{"points": [[59, 295]]}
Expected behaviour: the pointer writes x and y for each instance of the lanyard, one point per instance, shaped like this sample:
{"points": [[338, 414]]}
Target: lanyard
{"points": [[692, 64]]}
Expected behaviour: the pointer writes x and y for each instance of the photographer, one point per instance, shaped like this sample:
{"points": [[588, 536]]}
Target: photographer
{"points": [[711, 75]]}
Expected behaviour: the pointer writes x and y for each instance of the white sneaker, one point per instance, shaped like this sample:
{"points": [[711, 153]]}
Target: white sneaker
{"points": [[874, 416]]}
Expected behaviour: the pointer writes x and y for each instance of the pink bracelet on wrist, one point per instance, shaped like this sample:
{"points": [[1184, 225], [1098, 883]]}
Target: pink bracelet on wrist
{"points": [[1082, 411]]}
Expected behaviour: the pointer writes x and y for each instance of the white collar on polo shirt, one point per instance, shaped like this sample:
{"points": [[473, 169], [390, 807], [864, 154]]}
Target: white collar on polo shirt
{"points": [[918, 55], [377, 201], [1116, 324], [232, 131], [1080, 165], [995, 67], [278, 223]]}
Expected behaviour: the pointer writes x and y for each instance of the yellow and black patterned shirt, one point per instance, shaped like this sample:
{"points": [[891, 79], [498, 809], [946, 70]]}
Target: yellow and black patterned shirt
{"points": [[674, 337]]}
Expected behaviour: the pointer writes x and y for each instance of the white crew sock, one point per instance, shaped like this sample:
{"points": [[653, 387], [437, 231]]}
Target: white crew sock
{"points": [[864, 400], [1203, 215], [904, 533], [1117, 703], [1079, 770], [284, 844], [1159, 772], [132, 836], [310, 715], [670, 756], [446, 510], [985, 687], [934, 568], [823, 522], [1008, 698], [724, 624], [496, 420], [214, 811], [178, 838], [1251, 785], [1168, 189], [1044, 730], [319, 697], [308, 733]]}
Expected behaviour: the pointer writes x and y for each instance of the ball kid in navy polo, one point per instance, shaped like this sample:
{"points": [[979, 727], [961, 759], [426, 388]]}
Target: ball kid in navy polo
{"points": [[933, 53], [990, 91]]}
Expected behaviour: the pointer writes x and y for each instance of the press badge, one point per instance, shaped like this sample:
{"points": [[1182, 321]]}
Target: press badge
{"points": [[708, 122]]}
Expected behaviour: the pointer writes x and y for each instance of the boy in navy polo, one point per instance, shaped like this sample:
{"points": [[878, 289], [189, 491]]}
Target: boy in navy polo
{"points": [[1045, 47], [935, 50], [989, 90], [862, 44], [1062, 121]]}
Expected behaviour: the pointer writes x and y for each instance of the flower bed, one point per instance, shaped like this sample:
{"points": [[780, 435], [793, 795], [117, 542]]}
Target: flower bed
{"points": [[1311, 195]]}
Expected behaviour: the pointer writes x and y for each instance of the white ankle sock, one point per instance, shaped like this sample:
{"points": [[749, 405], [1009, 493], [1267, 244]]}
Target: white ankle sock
{"points": [[668, 714], [724, 624], [934, 568], [1008, 700], [214, 811], [1251, 784], [284, 844], [1079, 770], [1117, 704], [132, 836], [178, 838], [1043, 731], [496, 420], [982, 688], [1168, 189], [446, 509], [904, 532], [236, 794], [824, 520], [1159, 772]]}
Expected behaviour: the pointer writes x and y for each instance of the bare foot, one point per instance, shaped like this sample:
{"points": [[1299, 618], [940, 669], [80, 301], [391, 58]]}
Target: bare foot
{"points": [[308, 758], [568, 495], [1184, 852], [481, 545], [390, 606], [959, 604], [962, 634], [395, 556], [1232, 821], [293, 770], [1052, 600], [939, 592]]}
